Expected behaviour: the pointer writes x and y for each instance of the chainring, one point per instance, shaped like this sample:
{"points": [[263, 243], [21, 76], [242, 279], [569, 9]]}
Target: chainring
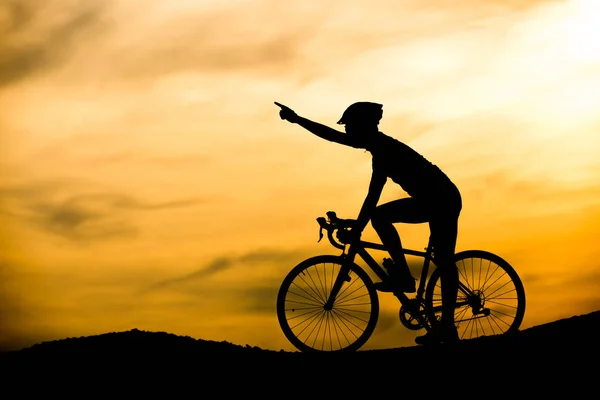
{"points": [[408, 317]]}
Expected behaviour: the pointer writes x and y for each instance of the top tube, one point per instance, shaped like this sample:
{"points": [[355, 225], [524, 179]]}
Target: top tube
{"points": [[379, 246], [334, 223]]}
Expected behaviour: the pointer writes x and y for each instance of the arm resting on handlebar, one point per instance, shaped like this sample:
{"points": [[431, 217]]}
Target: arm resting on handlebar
{"points": [[375, 187]]}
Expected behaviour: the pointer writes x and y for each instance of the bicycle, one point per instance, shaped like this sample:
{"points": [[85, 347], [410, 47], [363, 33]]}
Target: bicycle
{"points": [[328, 303]]}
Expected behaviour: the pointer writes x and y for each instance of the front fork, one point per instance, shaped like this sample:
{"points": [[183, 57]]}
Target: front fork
{"points": [[342, 277]]}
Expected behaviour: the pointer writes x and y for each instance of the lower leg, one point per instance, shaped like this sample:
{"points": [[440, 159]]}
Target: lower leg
{"points": [[449, 286], [444, 232], [406, 210], [391, 240], [446, 331]]}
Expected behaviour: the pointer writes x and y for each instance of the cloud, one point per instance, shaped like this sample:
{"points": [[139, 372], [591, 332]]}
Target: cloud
{"points": [[261, 299], [204, 47], [253, 294], [592, 304], [236, 37], [260, 37], [69, 150], [37, 37], [78, 217], [221, 264], [584, 286], [589, 280]]}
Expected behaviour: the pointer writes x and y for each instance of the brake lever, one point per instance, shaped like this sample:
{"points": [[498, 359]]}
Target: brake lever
{"points": [[331, 215], [321, 221]]}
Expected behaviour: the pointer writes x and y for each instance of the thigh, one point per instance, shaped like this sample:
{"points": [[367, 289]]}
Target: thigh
{"points": [[407, 210]]}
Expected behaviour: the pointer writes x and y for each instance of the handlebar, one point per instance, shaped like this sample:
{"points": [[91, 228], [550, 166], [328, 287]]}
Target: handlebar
{"points": [[331, 224]]}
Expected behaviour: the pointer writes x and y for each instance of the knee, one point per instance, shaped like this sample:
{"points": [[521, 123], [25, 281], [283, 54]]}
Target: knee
{"points": [[377, 219], [447, 266]]}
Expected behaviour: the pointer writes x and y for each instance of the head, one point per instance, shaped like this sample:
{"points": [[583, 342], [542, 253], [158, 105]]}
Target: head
{"points": [[361, 120]]}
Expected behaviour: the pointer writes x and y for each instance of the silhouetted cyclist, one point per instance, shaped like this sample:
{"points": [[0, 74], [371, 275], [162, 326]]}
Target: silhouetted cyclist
{"points": [[433, 198]]}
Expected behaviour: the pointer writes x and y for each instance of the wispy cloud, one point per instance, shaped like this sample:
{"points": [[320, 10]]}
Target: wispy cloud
{"points": [[78, 217], [221, 264], [228, 38], [36, 36], [260, 299]]}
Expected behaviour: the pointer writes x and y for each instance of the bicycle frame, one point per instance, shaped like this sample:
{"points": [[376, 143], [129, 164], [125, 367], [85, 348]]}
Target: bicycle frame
{"points": [[360, 248]]}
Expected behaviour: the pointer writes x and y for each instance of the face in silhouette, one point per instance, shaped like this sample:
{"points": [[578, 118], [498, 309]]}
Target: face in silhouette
{"points": [[360, 132]]}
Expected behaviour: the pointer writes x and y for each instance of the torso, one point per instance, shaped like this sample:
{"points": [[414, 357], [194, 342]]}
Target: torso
{"points": [[414, 173]]}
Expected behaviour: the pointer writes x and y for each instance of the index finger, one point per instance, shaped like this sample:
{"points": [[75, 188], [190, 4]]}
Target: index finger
{"points": [[279, 104]]}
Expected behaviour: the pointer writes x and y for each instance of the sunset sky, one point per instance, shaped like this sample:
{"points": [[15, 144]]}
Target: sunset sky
{"points": [[147, 181]]}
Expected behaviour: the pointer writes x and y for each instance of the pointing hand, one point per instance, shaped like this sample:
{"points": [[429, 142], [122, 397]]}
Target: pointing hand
{"points": [[287, 113]]}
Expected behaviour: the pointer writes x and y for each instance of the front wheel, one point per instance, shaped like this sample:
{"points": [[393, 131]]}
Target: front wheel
{"points": [[310, 323], [491, 297]]}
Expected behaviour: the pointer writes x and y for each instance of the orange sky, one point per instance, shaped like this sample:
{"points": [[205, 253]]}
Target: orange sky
{"points": [[146, 180]]}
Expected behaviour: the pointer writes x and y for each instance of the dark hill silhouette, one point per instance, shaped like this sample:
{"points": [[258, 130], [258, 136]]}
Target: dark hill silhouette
{"points": [[557, 356]]}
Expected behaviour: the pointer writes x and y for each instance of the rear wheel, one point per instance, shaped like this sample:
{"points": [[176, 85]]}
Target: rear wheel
{"points": [[491, 297], [309, 323]]}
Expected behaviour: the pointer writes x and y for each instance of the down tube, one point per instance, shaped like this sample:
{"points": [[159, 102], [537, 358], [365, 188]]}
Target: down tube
{"points": [[372, 263]]}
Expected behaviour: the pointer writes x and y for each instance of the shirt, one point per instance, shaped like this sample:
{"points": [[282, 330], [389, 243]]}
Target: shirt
{"points": [[414, 173]]}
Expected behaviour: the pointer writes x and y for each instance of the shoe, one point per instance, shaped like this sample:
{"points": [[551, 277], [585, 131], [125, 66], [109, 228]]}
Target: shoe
{"points": [[405, 285], [397, 280], [439, 335]]}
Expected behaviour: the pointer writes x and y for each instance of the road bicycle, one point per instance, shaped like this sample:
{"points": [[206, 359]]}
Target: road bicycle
{"points": [[328, 303]]}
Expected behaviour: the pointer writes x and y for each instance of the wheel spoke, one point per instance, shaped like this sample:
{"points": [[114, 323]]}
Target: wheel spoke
{"points": [[310, 321], [347, 290], [307, 296], [321, 284], [353, 310], [344, 313], [305, 310], [315, 294], [343, 320], [464, 279], [493, 294], [346, 299], [337, 334]]}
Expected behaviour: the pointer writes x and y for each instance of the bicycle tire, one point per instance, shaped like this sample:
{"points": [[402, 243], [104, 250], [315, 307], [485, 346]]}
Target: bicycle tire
{"points": [[303, 293], [499, 290]]}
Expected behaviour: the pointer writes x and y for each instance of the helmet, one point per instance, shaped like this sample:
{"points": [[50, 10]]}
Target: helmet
{"points": [[362, 111]]}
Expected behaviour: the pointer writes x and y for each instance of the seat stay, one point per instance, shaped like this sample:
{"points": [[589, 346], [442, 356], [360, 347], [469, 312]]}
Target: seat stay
{"points": [[464, 289]]}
